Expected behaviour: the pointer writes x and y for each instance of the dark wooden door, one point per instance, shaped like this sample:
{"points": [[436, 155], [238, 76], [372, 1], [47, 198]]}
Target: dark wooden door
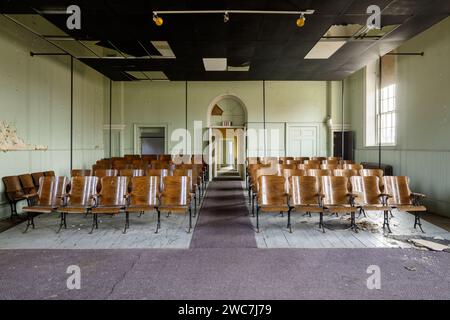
{"points": [[348, 145]]}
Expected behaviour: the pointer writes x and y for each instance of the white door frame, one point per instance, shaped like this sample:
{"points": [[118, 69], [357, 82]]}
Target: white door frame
{"points": [[137, 138], [303, 124]]}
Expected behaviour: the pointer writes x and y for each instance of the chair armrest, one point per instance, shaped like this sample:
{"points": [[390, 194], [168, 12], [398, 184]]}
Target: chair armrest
{"points": [[418, 195], [95, 198], [31, 195]]}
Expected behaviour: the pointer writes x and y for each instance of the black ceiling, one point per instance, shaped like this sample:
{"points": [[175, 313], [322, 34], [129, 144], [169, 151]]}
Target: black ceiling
{"points": [[272, 44]]}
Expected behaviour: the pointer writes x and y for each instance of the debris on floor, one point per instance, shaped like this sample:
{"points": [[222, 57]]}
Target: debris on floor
{"points": [[434, 246], [410, 268]]}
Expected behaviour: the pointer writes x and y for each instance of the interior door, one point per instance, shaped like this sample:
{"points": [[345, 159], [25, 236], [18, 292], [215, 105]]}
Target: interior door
{"points": [[302, 141]]}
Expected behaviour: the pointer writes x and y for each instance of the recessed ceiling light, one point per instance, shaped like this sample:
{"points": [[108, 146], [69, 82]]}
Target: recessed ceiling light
{"points": [[241, 68], [215, 64], [148, 75], [324, 49]]}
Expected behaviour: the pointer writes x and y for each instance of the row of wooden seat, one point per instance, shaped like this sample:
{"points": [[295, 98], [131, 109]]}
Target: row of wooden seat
{"points": [[118, 194], [308, 193], [305, 195], [297, 160], [22, 187]]}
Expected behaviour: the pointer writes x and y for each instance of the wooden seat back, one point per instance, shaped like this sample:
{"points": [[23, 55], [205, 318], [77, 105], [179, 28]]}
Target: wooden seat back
{"points": [[144, 191], [176, 191], [36, 176], [106, 173], [282, 167], [186, 173], [80, 173], [352, 166], [348, 173], [287, 173], [28, 186], [271, 191], [398, 189], [303, 190], [132, 172], [49, 173], [335, 190], [161, 173], [368, 189], [51, 190], [113, 191], [374, 172], [13, 188], [82, 190]]}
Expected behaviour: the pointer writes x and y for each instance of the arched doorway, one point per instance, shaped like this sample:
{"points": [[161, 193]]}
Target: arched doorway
{"points": [[227, 116]]}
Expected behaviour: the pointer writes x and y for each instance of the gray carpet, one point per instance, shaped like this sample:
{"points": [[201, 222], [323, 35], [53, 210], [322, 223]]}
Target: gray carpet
{"points": [[224, 221], [224, 263], [224, 274]]}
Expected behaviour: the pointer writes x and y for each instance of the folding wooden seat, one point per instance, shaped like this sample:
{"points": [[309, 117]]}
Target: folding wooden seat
{"points": [[80, 198], [131, 157], [304, 197], [268, 160], [144, 196], [267, 170], [312, 162], [330, 162], [272, 196], [27, 183], [252, 168], [287, 173], [196, 175], [14, 193], [111, 198], [49, 173], [348, 173], [161, 173], [176, 196], [402, 199], [121, 164], [132, 173], [165, 157], [313, 165], [301, 159], [347, 162], [149, 157], [334, 159], [318, 173], [374, 172], [48, 199], [282, 160], [281, 167], [319, 159], [337, 198], [80, 173], [36, 176], [139, 164], [294, 162], [193, 184], [106, 173], [352, 166], [330, 166], [157, 164], [369, 197]]}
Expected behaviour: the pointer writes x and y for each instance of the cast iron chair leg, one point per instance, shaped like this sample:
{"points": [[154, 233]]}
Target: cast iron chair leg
{"points": [[321, 225], [127, 222], [257, 218], [418, 222], [30, 222], [386, 221], [190, 219], [353, 222], [61, 223], [94, 223], [158, 224], [289, 221], [195, 205]]}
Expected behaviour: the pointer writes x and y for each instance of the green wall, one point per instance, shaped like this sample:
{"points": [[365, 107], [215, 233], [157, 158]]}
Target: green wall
{"points": [[423, 121], [35, 98]]}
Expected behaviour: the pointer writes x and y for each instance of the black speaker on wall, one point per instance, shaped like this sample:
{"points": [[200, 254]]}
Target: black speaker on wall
{"points": [[348, 145]]}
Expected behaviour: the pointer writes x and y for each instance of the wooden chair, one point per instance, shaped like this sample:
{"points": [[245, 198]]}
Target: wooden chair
{"points": [[79, 199], [314, 162], [263, 171], [287, 173], [309, 166], [319, 159], [282, 167], [301, 159], [165, 157], [27, 183], [144, 196], [329, 166], [282, 160], [80, 173], [36, 176], [352, 166], [252, 168], [347, 162], [50, 173], [294, 162], [374, 172], [131, 173], [111, 199], [305, 197], [176, 196], [192, 183], [337, 198], [161, 173], [149, 157], [121, 164], [401, 198], [346, 173], [369, 197], [318, 173], [330, 162], [272, 196], [268, 160], [49, 198], [106, 173], [334, 159], [14, 193]]}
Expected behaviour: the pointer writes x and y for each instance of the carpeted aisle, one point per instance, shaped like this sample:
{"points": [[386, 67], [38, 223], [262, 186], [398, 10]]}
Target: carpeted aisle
{"points": [[224, 221]]}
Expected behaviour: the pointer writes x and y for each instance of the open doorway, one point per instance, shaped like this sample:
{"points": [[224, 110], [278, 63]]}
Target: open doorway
{"points": [[150, 139], [226, 121]]}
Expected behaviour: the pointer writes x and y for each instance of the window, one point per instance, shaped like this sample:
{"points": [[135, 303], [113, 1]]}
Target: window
{"points": [[386, 122], [380, 118]]}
